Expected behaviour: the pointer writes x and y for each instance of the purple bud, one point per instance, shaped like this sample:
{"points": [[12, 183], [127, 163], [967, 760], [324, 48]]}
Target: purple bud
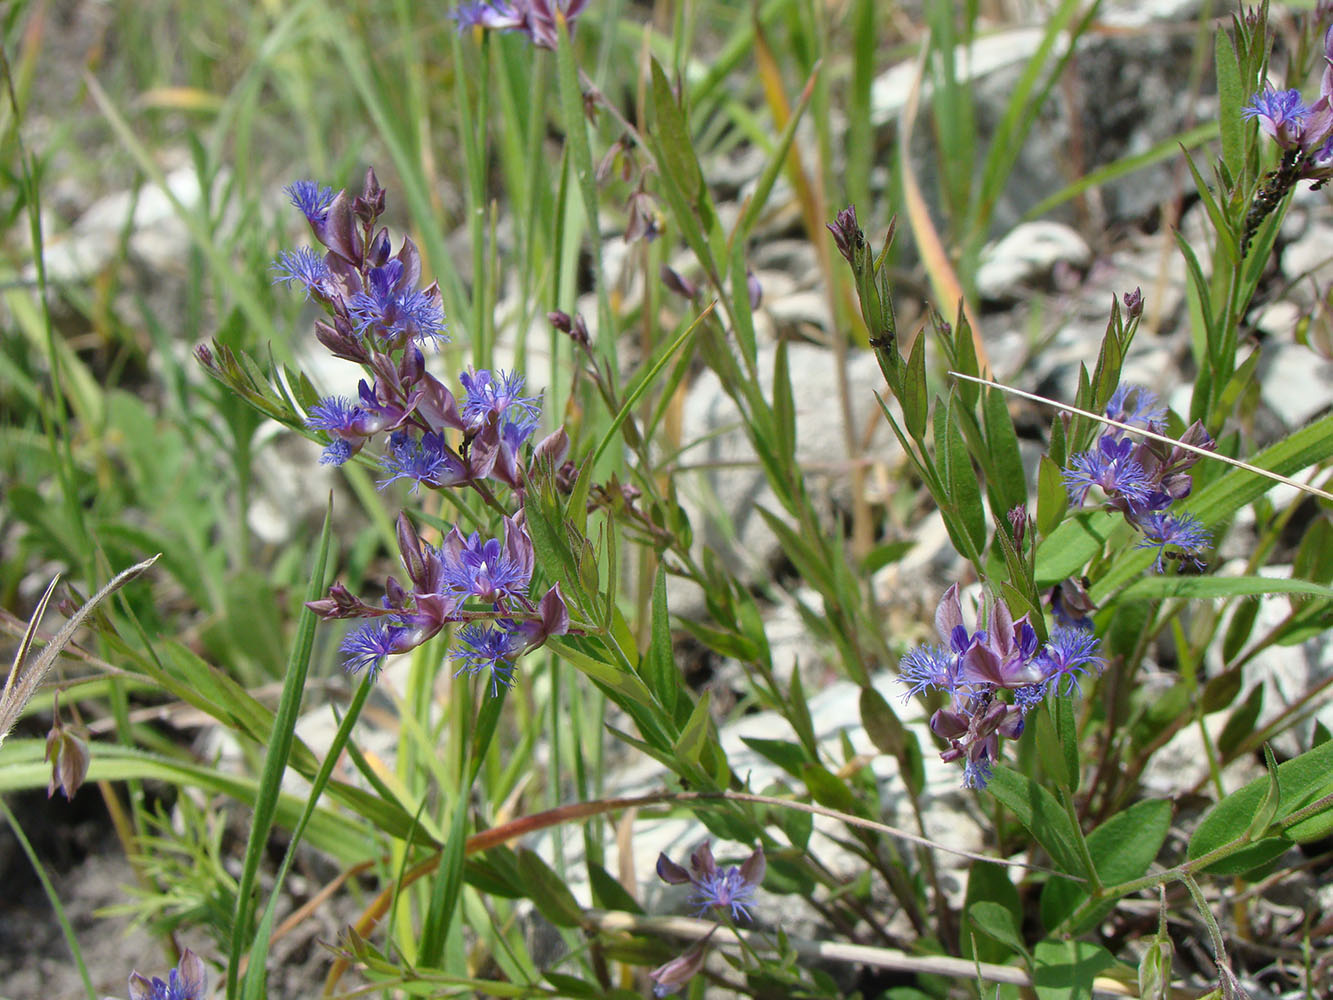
{"points": [[847, 235], [1134, 303], [755, 289], [677, 283], [69, 759], [670, 977]]}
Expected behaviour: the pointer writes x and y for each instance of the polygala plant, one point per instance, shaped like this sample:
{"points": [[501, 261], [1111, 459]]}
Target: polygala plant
{"points": [[430, 710]]}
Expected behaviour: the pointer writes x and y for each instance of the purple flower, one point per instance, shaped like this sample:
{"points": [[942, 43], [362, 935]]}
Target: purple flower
{"points": [[187, 981], [365, 647], [496, 15], [535, 18], [730, 890], [1281, 114], [1069, 652], [999, 655], [490, 647], [344, 421], [1133, 404], [396, 310], [304, 266], [485, 569], [312, 199], [977, 773], [425, 460], [1112, 467], [1179, 531], [927, 667], [497, 394]]}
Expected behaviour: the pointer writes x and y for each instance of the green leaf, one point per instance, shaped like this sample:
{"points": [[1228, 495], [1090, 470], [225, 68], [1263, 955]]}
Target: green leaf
{"points": [[548, 893], [789, 756], [1006, 478], [890, 736], [1050, 752], [1040, 813], [998, 922], [990, 885], [1065, 970], [659, 664], [1300, 781], [608, 893], [277, 753], [1221, 690], [1052, 496], [1122, 849], [960, 478], [829, 790], [695, 734], [915, 398], [1155, 967], [1069, 548], [1155, 588]]}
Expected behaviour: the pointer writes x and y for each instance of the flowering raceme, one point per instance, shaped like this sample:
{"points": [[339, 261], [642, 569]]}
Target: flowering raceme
{"points": [[1143, 478], [1304, 131], [975, 666], [381, 318]]}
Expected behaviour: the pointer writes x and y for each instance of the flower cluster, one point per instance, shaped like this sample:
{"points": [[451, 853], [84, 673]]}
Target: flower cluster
{"points": [[976, 666], [534, 18], [1143, 478], [1303, 130], [188, 981], [380, 318], [726, 892], [482, 585]]}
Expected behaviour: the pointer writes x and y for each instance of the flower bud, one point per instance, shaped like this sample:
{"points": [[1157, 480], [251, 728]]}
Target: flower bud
{"points": [[69, 759]]}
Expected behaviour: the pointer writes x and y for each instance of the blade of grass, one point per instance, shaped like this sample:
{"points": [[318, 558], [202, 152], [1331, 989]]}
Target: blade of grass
{"points": [[275, 759]]}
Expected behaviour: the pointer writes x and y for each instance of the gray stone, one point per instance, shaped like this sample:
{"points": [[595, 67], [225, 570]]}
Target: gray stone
{"points": [[724, 486], [1294, 382], [1028, 254]]}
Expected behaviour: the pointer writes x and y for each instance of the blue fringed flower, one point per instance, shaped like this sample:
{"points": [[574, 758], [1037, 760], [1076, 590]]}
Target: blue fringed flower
{"points": [[312, 199], [423, 460], [305, 267], [393, 311], [366, 647], [1111, 466], [927, 667], [484, 570], [1182, 532], [1070, 652], [489, 647], [497, 393]]}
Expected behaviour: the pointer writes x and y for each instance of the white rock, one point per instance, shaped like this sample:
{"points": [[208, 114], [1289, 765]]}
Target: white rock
{"points": [[1028, 253], [1295, 383]]}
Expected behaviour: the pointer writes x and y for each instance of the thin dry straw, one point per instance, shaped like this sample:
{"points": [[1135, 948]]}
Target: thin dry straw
{"points": [[1129, 429]]}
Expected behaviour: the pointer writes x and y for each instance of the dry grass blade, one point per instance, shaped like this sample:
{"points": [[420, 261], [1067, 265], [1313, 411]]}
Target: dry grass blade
{"points": [[1153, 436], [24, 678]]}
